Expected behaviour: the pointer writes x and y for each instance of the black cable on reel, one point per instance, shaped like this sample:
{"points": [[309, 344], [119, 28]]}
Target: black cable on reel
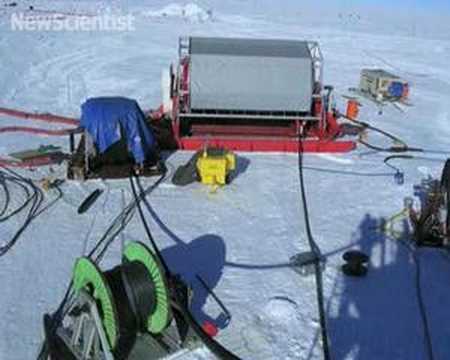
{"points": [[140, 291], [134, 295], [126, 318]]}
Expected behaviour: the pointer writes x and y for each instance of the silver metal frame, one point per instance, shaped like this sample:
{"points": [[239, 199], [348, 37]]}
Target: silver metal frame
{"points": [[183, 46], [87, 326], [317, 57]]}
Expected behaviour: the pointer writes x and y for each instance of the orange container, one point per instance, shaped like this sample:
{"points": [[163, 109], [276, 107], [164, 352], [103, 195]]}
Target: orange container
{"points": [[352, 109], [405, 93]]}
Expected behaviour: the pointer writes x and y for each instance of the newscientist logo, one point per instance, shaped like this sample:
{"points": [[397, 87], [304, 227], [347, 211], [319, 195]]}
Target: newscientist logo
{"points": [[71, 22]]}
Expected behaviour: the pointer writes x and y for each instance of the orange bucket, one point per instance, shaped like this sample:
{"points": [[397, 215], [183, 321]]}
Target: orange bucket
{"points": [[405, 93], [352, 109]]}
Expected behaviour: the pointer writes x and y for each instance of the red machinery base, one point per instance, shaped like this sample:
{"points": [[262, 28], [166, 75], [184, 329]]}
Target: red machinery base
{"points": [[267, 144]]}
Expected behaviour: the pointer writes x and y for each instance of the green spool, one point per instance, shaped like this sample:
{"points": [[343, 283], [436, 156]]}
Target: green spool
{"points": [[88, 276], [162, 316]]}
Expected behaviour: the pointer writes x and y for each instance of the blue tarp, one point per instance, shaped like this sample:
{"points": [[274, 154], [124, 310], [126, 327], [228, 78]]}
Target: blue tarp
{"points": [[396, 89], [107, 119]]}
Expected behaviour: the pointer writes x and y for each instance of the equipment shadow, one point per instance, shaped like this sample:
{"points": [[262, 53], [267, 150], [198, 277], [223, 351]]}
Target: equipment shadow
{"points": [[242, 164], [377, 316], [202, 257]]}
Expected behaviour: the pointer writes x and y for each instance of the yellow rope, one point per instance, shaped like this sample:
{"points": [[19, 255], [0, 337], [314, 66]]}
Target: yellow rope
{"points": [[388, 227]]}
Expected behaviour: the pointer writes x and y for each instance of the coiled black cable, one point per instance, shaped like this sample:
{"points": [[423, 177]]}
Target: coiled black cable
{"points": [[126, 319], [140, 290], [33, 203]]}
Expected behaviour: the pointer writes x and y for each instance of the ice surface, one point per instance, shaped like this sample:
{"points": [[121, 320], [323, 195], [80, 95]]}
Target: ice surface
{"points": [[241, 238]]}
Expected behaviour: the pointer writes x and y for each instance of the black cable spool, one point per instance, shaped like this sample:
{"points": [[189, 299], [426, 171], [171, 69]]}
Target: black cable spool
{"points": [[355, 263], [126, 318], [140, 291], [134, 296]]}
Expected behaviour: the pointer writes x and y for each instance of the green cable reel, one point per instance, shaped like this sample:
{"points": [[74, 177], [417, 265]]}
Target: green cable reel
{"points": [[162, 315], [89, 277]]}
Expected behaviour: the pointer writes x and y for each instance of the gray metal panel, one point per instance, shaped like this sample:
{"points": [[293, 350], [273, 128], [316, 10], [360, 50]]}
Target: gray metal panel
{"points": [[249, 47], [248, 81], [378, 73]]}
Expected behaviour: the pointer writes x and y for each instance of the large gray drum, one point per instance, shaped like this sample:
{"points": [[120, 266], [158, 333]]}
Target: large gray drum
{"points": [[257, 75]]}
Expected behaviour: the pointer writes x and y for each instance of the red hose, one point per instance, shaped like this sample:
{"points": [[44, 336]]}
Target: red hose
{"points": [[37, 131], [39, 161], [50, 118]]}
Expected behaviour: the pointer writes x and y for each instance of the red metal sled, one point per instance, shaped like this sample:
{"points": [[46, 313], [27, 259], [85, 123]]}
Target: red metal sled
{"points": [[268, 144], [241, 129]]}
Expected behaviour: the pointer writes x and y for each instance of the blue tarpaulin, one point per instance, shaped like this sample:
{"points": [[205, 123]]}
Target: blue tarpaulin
{"points": [[396, 89], [107, 119]]}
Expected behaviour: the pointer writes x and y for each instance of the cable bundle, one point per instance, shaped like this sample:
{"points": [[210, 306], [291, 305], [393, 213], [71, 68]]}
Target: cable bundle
{"points": [[32, 206], [133, 292]]}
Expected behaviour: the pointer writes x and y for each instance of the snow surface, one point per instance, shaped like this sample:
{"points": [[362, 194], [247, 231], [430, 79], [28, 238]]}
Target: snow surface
{"points": [[240, 239]]}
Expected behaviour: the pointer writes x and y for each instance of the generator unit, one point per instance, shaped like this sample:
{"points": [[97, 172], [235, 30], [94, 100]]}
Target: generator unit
{"points": [[215, 165], [383, 86], [250, 95]]}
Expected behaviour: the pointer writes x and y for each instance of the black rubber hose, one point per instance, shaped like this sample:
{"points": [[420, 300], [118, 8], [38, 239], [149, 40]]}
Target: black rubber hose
{"points": [[422, 308], [393, 157], [391, 149], [138, 199], [316, 250], [445, 189], [216, 348], [89, 201], [26, 192], [6, 193], [34, 200], [118, 224], [420, 301]]}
